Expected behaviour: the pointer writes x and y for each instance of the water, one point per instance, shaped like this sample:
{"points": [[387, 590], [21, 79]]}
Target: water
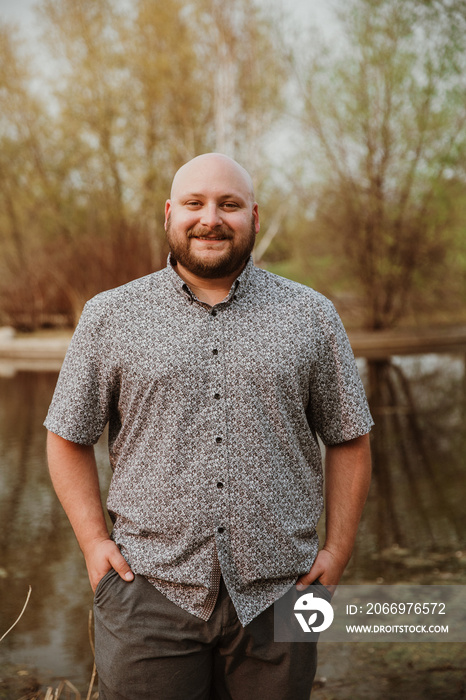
{"points": [[37, 546], [412, 528], [414, 522]]}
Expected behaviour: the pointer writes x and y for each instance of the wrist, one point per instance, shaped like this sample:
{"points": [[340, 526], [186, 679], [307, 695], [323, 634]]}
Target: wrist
{"points": [[89, 544], [341, 556]]}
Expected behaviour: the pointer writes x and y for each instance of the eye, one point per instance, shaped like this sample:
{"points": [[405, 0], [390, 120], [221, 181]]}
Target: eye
{"points": [[193, 203], [230, 205]]}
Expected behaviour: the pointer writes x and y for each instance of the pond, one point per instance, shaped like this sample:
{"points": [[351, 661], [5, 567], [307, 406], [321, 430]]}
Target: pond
{"points": [[412, 528]]}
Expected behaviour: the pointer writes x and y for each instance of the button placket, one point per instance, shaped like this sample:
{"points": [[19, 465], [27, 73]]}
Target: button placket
{"points": [[218, 486]]}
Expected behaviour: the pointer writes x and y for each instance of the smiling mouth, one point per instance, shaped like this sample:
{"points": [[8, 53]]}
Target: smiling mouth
{"points": [[206, 235], [211, 239]]}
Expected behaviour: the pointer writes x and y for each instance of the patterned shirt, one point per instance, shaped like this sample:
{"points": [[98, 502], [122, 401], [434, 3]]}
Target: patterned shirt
{"points": [[213, 416]]}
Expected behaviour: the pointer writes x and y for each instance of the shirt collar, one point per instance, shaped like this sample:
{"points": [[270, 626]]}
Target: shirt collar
{"points": [[237, 289]]}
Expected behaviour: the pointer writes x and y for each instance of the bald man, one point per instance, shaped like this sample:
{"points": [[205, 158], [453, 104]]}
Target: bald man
{"points": [[215, 378]]}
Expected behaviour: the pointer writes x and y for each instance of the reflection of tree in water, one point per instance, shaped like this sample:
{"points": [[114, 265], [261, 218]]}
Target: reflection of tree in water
{"points": [[415, 505], [35, 538]]}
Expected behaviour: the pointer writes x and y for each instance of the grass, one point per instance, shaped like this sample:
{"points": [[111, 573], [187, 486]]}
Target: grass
{"points": [[65, 690]]}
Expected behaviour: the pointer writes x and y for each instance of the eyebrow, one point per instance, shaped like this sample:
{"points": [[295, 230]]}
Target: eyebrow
{"points": [[226, 195]]}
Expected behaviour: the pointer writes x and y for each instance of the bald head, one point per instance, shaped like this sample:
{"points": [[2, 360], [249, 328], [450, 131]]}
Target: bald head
{"points": [[211, 219], [211, 167]]}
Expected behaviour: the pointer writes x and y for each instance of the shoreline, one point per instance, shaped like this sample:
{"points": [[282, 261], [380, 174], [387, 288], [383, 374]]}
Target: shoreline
{"points": [[45, 350]]}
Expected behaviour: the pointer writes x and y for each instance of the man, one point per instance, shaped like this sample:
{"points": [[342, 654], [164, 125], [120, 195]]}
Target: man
{"points": [[215, 378]]}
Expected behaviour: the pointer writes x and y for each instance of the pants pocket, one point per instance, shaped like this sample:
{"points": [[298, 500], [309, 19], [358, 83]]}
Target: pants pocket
{"points": [[103, 583], [322, 591]]}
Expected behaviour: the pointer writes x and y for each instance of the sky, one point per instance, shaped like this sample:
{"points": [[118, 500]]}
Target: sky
{"points": [[317, 11], [19, 11]]}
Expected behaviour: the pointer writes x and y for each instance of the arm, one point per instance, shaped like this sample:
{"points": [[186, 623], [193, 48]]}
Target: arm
{"points": [[74, 476], [347, 479]]}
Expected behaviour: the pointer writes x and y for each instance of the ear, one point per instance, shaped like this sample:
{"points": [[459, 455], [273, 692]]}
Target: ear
{"points": [[255, 213], [168, 206]]}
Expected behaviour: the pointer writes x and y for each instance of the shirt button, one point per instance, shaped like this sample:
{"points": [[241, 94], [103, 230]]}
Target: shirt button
{"points": [[216, 396], [220, 530], [219, 485], [215, 351], [213, 312], [218, 439]]}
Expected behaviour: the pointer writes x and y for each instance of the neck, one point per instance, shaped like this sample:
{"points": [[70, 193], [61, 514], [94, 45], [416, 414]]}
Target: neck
{"points": [[210, 291]]}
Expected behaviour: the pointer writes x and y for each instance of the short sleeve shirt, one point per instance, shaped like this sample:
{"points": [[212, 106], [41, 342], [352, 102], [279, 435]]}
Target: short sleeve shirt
{"points": [[213, 414]]}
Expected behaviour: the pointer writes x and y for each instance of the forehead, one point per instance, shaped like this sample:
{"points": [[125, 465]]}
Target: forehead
{"points": [[211, 178]]}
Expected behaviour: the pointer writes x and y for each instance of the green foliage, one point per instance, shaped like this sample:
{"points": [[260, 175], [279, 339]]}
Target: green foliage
{"points": [[387, 115]]}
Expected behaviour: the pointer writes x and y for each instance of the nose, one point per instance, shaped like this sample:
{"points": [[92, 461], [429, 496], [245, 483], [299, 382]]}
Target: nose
{"points": [[210, 215]]}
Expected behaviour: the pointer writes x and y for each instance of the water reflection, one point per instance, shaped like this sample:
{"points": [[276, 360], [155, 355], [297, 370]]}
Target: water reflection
{"points": [[37, 545], [412, 528], [414, 523]]}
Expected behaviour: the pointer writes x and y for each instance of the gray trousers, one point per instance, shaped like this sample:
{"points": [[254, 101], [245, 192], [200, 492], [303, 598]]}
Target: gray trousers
{"points": [[148, 648]]}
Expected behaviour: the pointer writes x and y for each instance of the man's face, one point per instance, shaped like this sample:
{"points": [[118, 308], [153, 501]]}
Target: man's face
{"points": [[211, 220]]}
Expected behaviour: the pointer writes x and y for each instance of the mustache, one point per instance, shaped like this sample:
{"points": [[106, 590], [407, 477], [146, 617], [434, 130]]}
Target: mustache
{"points": [[206, 233]]}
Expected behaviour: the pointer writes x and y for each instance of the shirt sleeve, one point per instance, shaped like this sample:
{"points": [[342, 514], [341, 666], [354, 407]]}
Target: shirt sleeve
{"points": [[338, 409], [80, 406]]}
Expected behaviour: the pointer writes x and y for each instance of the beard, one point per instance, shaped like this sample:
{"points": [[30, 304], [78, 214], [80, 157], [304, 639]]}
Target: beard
{"points": [[224, 264]]}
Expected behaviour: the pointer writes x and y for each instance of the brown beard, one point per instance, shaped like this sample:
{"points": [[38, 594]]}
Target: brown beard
{"points": [[232, 260]]}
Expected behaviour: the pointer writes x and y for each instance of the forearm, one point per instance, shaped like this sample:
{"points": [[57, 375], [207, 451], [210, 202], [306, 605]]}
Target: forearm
{"points": [[74, 476], [347, 480]]}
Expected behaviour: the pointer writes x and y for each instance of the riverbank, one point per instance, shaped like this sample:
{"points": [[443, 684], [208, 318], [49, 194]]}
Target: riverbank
{"points": [[42, 351], [361, 671], [45, 350], [408, 341]]}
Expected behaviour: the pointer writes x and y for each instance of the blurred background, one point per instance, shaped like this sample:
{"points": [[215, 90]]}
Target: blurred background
{"points": [[352, 123], [351, 118]]}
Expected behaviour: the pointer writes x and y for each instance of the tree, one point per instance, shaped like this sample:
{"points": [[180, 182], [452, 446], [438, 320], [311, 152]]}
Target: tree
{"points": [[31, 192], [125, 95], [387, 114], [134, 94], [245, 75]]}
